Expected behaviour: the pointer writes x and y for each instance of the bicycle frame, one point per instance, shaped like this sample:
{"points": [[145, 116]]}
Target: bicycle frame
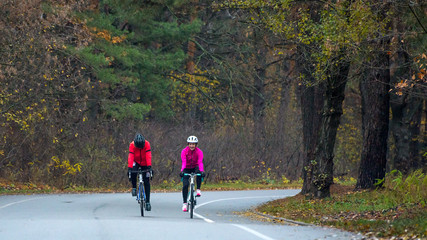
{"points": [[140, 188], [191, 198], [140, 197]]}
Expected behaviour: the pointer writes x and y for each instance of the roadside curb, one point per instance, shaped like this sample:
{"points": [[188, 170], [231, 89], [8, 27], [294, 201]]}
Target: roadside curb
{"points": [[282, 219]]}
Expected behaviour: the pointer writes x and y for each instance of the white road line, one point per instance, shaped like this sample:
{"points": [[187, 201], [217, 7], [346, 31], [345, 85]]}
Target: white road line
{"points": [[228, 199], [258, 234], [13, 203], [206, 219]]}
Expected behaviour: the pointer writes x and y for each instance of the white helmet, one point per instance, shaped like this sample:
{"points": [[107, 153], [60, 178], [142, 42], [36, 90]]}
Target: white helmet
{"points": [[192, 139]]}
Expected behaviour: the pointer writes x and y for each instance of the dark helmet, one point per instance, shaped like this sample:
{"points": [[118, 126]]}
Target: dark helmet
{"points": [[139, 141]]}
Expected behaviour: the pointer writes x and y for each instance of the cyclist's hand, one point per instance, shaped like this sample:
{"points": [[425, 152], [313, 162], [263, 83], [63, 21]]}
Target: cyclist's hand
{"points": [[129, 173], [151, 171], [181, 174]]}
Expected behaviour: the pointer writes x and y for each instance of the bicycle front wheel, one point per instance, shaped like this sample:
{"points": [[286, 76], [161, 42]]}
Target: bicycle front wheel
{"points": [[191, 200], [141, 199]]}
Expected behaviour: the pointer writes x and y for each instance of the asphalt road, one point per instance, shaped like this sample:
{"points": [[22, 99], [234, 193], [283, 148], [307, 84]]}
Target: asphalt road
{"points": [[117, 216]]}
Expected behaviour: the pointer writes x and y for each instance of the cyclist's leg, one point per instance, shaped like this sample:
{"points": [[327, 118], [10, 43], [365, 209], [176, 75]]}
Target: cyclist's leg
{"points": [[133, 176], [199, 182], [185, 184], [147, 188]]}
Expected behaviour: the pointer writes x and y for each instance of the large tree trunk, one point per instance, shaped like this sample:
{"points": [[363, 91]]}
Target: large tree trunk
{"points": [[311, 99], [311, 108], [321, 166], [406, 108], [374, 89], [405, 125], [414, 145], [319, 134]]}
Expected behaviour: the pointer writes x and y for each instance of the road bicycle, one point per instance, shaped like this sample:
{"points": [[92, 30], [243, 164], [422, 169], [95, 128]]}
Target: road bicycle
{"points": [[191, 198], [140, 195]]}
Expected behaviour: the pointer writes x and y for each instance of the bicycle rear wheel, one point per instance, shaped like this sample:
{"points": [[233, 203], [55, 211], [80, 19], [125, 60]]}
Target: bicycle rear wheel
{"points": [[191, 200], [141, 198]]}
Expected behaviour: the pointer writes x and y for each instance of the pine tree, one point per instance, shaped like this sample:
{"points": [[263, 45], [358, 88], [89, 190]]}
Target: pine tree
{"points": [[136, 44]]}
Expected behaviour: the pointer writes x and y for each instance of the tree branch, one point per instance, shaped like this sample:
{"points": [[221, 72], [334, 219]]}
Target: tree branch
{"points": [[211, 99], [418, 19]]}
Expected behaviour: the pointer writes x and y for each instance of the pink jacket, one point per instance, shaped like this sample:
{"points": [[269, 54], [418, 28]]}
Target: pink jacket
{"points": [[192, 159]]}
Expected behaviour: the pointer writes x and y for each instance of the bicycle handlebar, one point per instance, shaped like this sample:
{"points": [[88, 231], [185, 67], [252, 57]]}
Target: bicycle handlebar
{"points": [[140, 171], [189, 174]]}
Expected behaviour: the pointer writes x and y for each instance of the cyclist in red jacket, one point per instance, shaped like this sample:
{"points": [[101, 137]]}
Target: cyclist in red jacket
{"points": [[140, 157], [192, 161]]}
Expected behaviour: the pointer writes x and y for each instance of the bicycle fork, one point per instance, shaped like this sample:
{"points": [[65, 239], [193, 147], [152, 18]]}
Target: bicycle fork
{"points": [[192, 192], [141, 194]]}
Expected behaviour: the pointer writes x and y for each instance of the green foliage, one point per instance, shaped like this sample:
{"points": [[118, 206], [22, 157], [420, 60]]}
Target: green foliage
{"points": [[125, 110], [134, 48], [107, 76], [345, 181], [96, 60], [339, 33], [408, 189], [334, 31]]}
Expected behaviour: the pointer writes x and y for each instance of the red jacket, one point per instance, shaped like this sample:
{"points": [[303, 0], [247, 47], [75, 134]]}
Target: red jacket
{"points": [[142, 156]]}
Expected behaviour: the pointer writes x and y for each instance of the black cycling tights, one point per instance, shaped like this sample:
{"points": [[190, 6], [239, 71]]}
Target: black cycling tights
{"points": [[146, 183], [186, 183]]}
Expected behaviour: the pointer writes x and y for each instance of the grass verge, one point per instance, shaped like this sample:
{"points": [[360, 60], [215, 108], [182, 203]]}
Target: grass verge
{"points": [[397, 211]]}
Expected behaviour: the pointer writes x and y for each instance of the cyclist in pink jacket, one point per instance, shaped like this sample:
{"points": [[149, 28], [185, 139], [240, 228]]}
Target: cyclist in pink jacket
{"points": [[192, 161]]}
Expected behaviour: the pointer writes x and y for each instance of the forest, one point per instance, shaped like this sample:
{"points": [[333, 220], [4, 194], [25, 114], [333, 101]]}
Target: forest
{"points": [[274, 90]]}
